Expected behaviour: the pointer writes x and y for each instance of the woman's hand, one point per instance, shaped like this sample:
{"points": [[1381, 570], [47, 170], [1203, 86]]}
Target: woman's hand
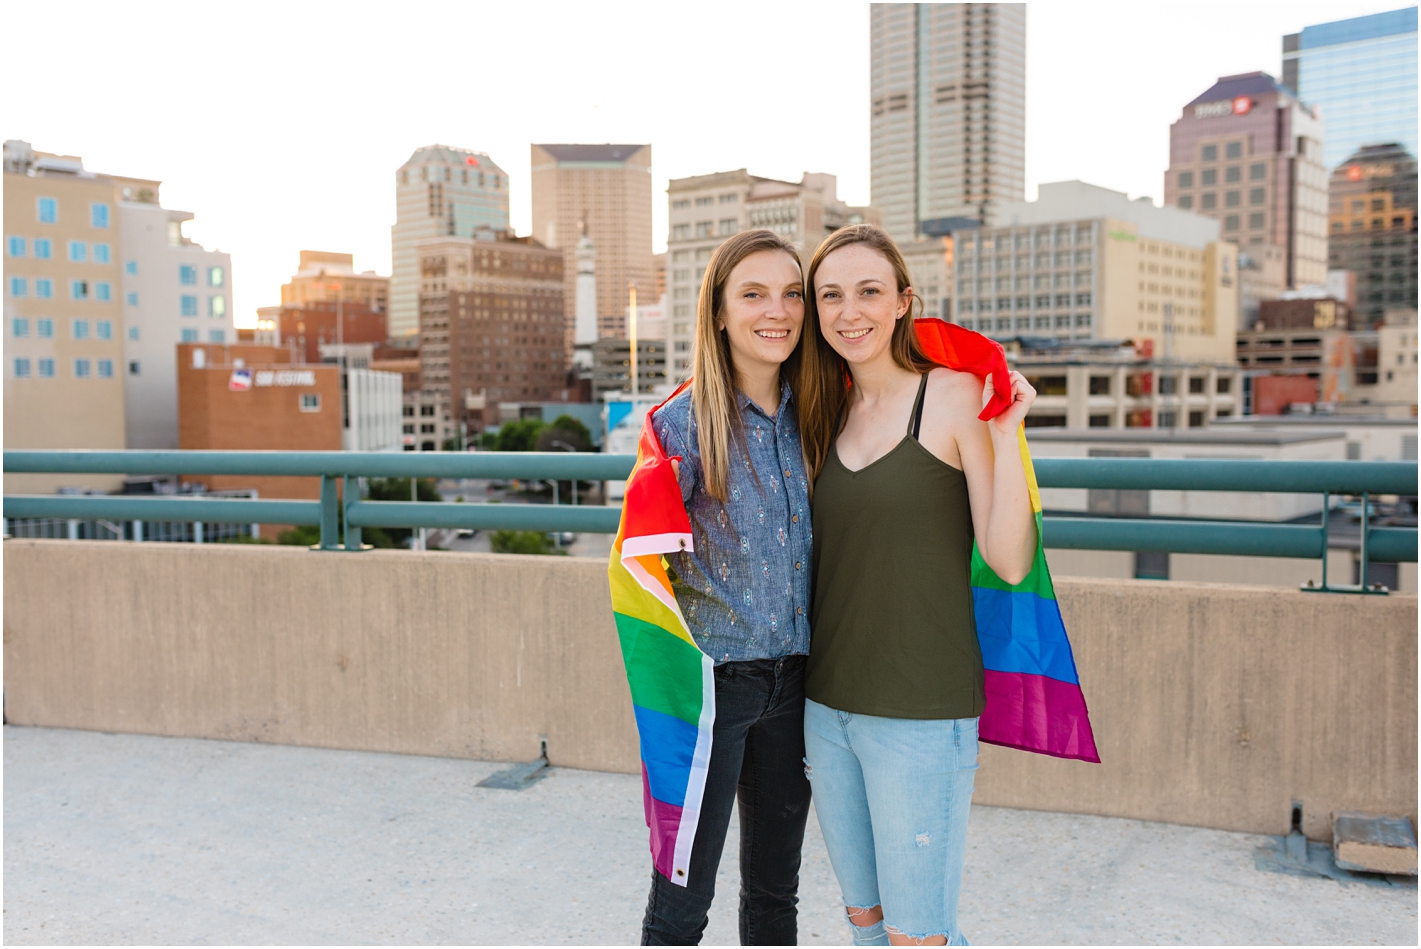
{"points": [[1022, 395]]}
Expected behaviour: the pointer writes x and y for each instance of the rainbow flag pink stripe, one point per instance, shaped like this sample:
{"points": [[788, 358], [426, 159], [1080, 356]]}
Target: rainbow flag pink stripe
{"points": [[672, 681]]}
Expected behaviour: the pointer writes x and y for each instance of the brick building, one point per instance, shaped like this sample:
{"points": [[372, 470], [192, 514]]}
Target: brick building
{"points": [[253, 397], [491, 320], [303, 328]]}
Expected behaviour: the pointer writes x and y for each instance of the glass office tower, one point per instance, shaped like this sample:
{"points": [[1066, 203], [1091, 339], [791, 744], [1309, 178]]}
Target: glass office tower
{"points": [[1363, 73]]}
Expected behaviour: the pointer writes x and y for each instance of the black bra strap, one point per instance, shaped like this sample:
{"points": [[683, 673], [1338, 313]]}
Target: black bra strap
{"points": [[918, 406]]}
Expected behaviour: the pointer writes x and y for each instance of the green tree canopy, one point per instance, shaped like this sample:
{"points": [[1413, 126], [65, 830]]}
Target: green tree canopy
{"points": [[521, 435], [569, 431]]}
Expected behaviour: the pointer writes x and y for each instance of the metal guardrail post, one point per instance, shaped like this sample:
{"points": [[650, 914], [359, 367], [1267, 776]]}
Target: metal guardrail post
{"points": [[350, 494], [330, 514]]}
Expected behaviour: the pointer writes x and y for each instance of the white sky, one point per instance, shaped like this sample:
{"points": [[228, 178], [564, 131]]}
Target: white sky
{"points": [[280, 125]]}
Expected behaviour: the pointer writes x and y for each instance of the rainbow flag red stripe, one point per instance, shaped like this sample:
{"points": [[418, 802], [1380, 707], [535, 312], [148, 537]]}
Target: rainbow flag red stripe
{"points": [[1034, 698]]}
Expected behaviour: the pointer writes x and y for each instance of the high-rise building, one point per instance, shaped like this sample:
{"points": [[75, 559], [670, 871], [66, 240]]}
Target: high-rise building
{"points": [[439, 192], [64, 320], [1373, 228], [327, 310], [603, 191], [948, 131], [1084, 262], [1362, 74], [1250, 155], [325, 277], [491, 320], [174, 291], [707, 209]]}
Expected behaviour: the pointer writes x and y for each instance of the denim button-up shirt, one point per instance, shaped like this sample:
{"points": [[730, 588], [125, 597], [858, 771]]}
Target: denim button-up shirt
{"points": [[744, 589]]}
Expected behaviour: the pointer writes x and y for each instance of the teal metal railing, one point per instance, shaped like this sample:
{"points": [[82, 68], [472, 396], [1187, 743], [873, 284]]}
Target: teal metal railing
{"points": [[1328, 478]]}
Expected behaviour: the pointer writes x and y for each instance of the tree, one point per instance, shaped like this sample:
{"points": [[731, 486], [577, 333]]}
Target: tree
{"points": [[521, 435], [395, 489], [523, 542], [569, 431]]}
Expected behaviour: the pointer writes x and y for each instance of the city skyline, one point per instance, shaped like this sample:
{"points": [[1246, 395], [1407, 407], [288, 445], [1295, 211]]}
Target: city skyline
{"points": [[218, 126]]}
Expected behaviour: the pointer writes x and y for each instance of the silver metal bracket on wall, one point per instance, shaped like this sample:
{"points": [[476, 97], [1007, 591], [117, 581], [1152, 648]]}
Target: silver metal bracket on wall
{"points": [[1375, 589]]}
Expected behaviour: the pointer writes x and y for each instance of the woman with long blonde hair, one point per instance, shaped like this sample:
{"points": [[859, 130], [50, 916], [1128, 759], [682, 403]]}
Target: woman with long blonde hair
{"points": [[743, 588], [906, 477]]}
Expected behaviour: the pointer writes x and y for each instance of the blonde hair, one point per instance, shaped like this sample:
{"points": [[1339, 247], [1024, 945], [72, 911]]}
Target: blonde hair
{"points": [[823, 384], [713, 392]]}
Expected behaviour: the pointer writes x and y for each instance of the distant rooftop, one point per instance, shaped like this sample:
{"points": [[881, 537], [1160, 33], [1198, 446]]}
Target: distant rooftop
{"points": [[1390, 23], [607, 152], [449, 155], [1244, 84], [1194, 436], [1075, 200]]}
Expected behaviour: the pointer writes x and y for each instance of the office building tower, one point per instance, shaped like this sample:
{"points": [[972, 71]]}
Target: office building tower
{"points": [[174, 291], [1250, 155], [948, 100], [329, 312], [439, 192], [1361, 73], [603, 191], [707, 209], [492, 324], [1083, 262], [64, 320], [1372, 223], [325, 277]]}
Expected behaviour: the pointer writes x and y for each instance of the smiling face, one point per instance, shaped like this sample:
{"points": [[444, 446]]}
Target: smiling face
{"points": [[858, 302], [763, 310]]}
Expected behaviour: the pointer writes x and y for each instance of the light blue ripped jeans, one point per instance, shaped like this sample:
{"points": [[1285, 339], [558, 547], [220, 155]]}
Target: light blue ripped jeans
{"points": [[893, 797]]}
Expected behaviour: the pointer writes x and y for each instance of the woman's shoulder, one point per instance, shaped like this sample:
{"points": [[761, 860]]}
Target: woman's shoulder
{"points": [[676, 417], [953, 387]]}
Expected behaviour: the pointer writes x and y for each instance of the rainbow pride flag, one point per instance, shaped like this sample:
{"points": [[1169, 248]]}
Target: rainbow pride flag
{"points": [[672, 681], [1034, 698]]}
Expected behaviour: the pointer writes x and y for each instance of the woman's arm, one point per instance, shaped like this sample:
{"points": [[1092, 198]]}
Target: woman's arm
{"points": [[1002, 519]]}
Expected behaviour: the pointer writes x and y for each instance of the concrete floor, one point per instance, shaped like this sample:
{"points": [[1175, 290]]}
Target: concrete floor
{"points": [[134, 839]]}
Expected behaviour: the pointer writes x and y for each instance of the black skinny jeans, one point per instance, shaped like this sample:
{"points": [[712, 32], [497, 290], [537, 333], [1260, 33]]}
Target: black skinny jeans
{"points": [[757, 757]]}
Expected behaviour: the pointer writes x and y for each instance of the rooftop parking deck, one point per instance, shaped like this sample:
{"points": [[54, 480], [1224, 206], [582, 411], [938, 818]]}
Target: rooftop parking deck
{"points": [[135, 839]]}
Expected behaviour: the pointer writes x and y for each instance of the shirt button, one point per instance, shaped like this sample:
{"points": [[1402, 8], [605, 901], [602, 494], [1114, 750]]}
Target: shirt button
{"points": [[795, 518], [786, 472], [796, 565], [800, 610]]}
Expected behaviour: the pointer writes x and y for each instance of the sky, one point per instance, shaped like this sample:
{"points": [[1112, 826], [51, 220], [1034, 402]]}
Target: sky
{"points": [[281, 125]]}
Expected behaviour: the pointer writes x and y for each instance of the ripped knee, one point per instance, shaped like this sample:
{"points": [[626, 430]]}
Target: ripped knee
{"points": [[864, 916]]}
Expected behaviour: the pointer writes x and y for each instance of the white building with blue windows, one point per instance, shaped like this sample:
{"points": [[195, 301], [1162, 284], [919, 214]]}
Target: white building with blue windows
{"points": [[173, 291]]}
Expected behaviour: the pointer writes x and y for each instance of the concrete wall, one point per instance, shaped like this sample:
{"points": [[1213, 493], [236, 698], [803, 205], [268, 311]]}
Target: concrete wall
{"points": [[1213, 705]]}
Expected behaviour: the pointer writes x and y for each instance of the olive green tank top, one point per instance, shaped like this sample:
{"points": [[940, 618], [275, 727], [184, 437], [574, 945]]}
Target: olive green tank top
{"points": [[894, 633]]}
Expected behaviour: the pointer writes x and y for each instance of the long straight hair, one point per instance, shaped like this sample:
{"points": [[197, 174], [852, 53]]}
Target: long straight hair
{"points": [[823, 387], [713, 392]]}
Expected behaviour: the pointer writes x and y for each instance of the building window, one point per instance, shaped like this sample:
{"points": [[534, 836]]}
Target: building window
{"points": [[1208, 177], [189, 304], [105, 368], [131, 266], [133, 298], [133, 333], [729, 198], [1231, 199], [44, 328], [217, 336], [1255, 220], [427, 411], [16, 246], [1186, 179], [46, 368], [79, 289], [426, 428], [101, 253], [1255, 196], [81, 369], [704, 200], [408, 412], [78, 251], [681, 232], [1100, 421], [99, 214], [22, 368], [42, 248], [187, 275], [103, 291], [1233, 173], [310, 402], [1167, 419], [1223, 384], [1209, 153], [728, 226], [1196, 419], [680, 204], [409, 427], [19, 327], [134, 368], [1233, 150], [1186, 201], [1257, 172], [80, 329], [1231, 222], [103, 329], [1196, 385], [189, 336], [1206, 201], [1099, 385], [19, 287], [1168, 385], [48, 211], [216, 277], [1082, 299], [705, 229], [217, 307]]}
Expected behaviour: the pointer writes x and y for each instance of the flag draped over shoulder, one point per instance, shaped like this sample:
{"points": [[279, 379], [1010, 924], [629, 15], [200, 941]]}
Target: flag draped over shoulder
{"points": [[1034, 698], [672, 681]]}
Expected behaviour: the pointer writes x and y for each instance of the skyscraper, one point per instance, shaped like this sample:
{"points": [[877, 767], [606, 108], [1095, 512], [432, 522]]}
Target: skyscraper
{"points": [[439, 192], [1247, 153], [1362, 73], [948, 90], [1373, 218], [603, 191]]}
